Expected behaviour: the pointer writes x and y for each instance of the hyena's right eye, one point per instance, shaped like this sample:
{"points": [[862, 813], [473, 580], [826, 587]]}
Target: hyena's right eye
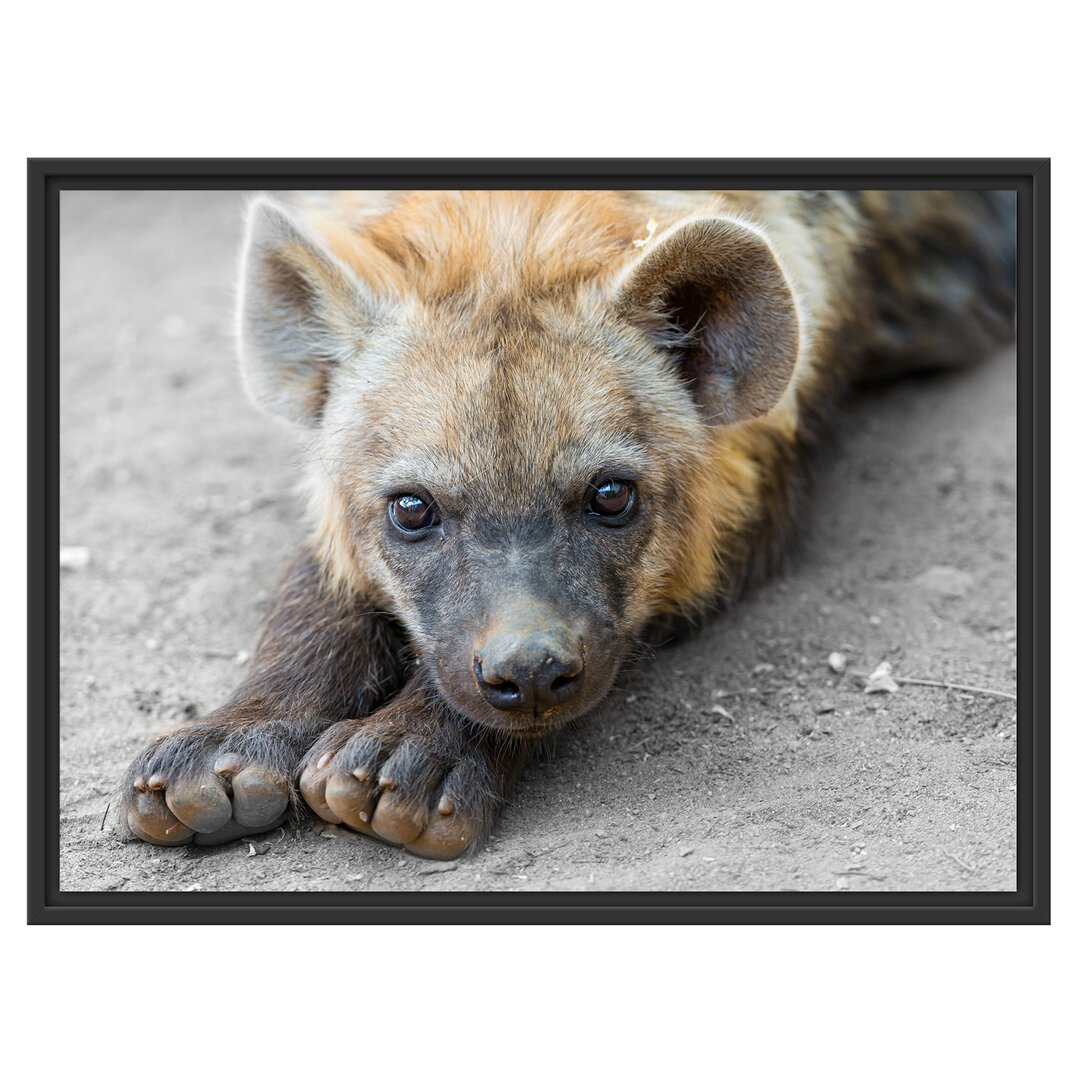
{"points": [[612, 501], [412, 513]]}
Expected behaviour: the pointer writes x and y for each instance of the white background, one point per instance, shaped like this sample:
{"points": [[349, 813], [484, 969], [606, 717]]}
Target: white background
{"points": [[561, 79]]}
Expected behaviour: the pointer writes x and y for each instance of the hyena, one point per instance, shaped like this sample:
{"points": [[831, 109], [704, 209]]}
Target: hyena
{"points": [[540, 424]]}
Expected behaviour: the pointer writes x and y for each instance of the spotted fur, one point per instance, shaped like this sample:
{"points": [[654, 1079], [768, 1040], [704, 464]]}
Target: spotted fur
{"points": [[500, 353]]}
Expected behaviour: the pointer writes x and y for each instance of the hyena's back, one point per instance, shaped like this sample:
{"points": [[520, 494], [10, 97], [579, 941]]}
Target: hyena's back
{"points": [[899, 280], [942, 266]]}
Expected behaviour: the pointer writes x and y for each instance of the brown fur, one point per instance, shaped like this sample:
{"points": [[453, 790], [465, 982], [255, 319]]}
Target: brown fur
{"points": [[499, 352]]}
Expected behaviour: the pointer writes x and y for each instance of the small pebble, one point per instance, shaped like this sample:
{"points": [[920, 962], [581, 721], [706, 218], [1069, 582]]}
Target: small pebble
{"points": [[74, 558]]}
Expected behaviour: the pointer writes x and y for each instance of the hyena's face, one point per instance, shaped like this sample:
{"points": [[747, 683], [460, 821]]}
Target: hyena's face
{"points": [[515, 492], [523, 477]]}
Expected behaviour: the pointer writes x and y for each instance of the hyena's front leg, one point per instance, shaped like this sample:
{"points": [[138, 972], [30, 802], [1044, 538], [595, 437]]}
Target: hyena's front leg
{"points": [[319, 658], [415, 773]]}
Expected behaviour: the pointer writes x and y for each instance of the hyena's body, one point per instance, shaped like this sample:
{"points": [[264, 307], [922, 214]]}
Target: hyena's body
{"points": [[541, 421]]}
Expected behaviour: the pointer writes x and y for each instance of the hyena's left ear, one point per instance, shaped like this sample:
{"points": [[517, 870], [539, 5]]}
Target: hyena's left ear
{"points": [[713, 293], [301, 311]]}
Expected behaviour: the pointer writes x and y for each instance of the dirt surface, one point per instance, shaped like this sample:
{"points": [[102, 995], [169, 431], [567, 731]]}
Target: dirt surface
{"points": [[794, 778]]}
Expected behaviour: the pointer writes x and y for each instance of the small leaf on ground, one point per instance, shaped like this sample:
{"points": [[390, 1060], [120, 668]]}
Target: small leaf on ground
{"points": [[881, 680]]}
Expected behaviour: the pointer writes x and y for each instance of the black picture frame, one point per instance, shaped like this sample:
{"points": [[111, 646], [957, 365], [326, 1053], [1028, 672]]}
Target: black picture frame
{"points": [[1030, 903]]}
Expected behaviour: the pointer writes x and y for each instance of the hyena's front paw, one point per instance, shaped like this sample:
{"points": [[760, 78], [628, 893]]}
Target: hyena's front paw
{"points": [[211, 782], [404, 777]]}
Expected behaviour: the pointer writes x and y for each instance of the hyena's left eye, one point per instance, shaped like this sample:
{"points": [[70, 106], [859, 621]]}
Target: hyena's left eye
{"points": [[412, 513]]}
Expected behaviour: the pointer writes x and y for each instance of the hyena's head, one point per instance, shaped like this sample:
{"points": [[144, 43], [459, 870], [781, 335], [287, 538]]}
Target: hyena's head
{"points": [[513, 412]]}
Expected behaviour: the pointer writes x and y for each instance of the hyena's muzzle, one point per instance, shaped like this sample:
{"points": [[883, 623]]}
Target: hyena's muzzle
{"points": [[526, 652], [529, 660]]}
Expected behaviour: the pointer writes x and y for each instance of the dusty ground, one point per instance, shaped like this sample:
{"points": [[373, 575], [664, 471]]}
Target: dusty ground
{"points": [[795, 779]]}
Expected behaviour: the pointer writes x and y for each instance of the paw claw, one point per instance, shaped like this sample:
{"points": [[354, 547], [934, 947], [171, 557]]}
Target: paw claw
{"points": [[227, 764]]}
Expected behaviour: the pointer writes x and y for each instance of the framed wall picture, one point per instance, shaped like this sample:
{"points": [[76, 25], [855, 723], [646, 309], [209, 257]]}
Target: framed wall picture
{"points": [[538, 541]]}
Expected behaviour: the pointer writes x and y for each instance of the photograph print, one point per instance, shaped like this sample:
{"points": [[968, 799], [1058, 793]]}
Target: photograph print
{"points": [[538, 541]]}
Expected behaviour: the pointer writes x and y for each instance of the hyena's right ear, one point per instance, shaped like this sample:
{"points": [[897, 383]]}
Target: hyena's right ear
{"points": [[301, 311], [712, 293]]}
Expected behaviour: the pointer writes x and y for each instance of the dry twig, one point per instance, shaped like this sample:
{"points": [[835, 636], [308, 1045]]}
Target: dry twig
{"points": [[944, 685]]}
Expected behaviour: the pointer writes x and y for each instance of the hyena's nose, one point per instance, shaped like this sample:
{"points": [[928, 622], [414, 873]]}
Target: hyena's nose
{"points": [[533, 671]]}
